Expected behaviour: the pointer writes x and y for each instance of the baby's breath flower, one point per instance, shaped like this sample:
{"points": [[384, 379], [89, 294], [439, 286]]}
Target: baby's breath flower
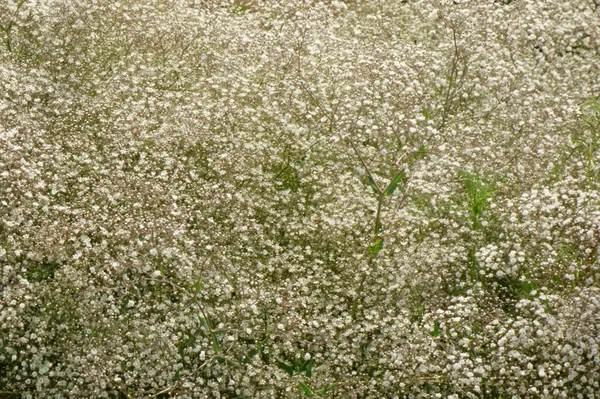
{"points": [[377, 199]]}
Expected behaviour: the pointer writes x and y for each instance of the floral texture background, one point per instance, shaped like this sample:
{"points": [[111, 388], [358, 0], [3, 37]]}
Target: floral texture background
{"points": [[336, 199]]}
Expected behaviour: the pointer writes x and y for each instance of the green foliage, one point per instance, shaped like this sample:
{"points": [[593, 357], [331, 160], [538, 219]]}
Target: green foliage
{"points": [[306, 389], [590, 111], [587, 143], [40, 271], [177, 218], [254, 351], [400, 177], [216, 343], [373, 185], [436, 329], [376, 246], [583, 146], [297, 366], [419, 154], [478, 194]]}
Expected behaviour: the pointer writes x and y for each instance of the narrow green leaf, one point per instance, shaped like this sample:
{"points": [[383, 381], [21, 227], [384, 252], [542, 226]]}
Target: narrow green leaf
{"points": [[250, 355], [258, 348], [216, 343], [436, 329], [373, 185], [265, 357], [181, 345], [219, 359], [378, 227], [323, 391], [286, 367], [306, 389], [308, 367], [376, 246], [394, 183]]}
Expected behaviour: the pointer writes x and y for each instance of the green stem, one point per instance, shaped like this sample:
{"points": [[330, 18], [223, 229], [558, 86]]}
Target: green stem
{"points": [[378, 215], [364, 164]]}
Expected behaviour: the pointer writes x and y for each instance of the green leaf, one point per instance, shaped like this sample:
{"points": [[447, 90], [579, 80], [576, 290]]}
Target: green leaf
{"points": [[436, 329], [373, 185], [216, 343], [419, 154], [378, 227], [428, 113], [323, 391], [394, 183], [265, 357], [308, 367], [420, 313], [181, 345], [220, 359], [306, 389], [286, 367], [376, 246], [250, 355]]}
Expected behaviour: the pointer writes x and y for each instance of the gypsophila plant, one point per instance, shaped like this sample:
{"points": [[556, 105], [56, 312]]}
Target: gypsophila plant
{"points": [[326, 199]]}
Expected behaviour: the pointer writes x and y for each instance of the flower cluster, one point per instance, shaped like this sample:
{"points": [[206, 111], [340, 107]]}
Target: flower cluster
{"points": [[219, 199]]}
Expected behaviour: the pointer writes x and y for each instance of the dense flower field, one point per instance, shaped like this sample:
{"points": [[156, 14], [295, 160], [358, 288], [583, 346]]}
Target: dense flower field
{"points": [[358, 199]]}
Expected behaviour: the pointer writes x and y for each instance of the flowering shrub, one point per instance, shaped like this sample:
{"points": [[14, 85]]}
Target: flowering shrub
{"points": [[299, 199]]}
